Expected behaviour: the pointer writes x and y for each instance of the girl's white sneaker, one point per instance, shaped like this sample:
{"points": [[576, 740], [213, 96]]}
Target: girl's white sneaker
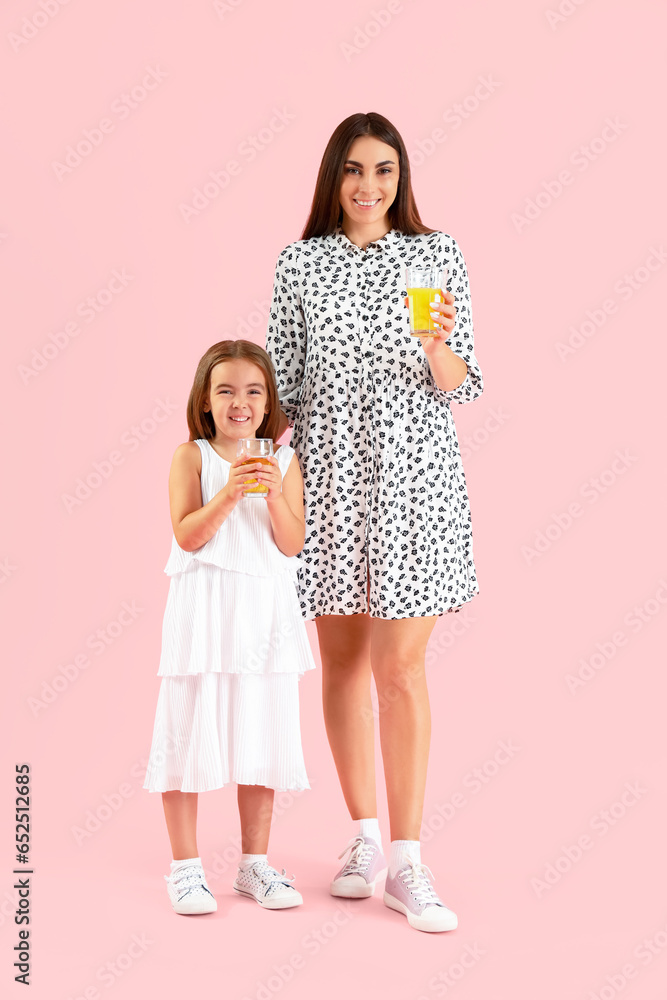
{"points": [[266, 885], [189, 892]]}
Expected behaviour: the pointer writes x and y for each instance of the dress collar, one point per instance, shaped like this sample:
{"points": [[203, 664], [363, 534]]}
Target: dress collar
{"points": [[385, 242]]}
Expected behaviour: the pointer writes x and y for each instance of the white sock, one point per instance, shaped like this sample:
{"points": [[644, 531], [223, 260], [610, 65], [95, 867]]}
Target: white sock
{"points": [[403, 851], [371, 828], [250, 859], [184, 861]]}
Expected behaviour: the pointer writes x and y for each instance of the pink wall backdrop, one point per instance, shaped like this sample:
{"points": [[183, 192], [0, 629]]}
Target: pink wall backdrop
{"points": [[536, 134]]}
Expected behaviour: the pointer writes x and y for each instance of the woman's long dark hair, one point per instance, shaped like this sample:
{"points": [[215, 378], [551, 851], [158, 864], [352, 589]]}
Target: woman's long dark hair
{"points": [[326, 211]]}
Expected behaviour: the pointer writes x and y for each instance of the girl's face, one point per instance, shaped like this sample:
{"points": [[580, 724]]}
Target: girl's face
{"points": [[370, 181], [238, 399]]}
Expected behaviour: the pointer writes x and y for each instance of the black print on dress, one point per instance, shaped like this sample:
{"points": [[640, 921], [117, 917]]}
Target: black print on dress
{"points": [[384, 484]]}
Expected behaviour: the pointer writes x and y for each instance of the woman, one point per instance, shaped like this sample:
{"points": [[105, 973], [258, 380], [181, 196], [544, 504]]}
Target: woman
{"points": [[388, 530]]}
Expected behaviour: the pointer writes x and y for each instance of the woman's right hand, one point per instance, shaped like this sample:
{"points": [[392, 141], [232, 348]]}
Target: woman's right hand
{"points": [[239, 475]]}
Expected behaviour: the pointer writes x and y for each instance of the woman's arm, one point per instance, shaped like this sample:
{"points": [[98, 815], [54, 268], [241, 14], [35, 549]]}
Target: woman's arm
{"points": [[287, 515], [452, 381], [193, 523], [447, 368], [283, 425], [286, 333]]}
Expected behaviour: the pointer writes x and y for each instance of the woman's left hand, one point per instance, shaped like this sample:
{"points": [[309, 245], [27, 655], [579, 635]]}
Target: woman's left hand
{"points": [[444, 315], [271, 476]]}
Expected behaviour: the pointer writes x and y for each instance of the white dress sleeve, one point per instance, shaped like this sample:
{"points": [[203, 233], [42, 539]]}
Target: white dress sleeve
{"points": [[461, 338], [286, 333]]}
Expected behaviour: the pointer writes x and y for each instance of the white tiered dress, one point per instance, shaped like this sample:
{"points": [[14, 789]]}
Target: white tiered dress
{"points": [[234, 647]]}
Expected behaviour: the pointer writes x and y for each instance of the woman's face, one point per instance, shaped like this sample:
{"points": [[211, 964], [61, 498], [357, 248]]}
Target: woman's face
{"points": [[370, 181]]}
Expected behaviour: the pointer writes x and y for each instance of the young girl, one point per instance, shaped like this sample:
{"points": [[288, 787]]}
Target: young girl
{"points": [[234, 643]]}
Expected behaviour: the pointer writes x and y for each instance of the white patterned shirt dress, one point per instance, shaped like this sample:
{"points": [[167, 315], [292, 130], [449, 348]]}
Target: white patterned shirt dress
{"points": [[234, 647], [385, 489]]}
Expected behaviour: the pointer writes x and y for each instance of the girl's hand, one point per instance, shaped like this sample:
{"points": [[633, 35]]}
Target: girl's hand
{"points": [[239, 474], [444, 315], [271, 476]]}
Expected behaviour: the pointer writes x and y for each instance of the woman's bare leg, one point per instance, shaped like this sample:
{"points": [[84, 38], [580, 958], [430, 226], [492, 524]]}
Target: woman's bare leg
{"points": [[180, 812], [398, 649], [344, 642]]}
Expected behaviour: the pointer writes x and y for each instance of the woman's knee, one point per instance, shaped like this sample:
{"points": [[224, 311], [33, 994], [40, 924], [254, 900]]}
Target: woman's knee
{"points": [[396, 675], [344, 642]]}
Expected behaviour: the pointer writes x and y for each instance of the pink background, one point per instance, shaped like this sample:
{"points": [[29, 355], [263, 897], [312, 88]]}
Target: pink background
{"points": [[546, 438]]}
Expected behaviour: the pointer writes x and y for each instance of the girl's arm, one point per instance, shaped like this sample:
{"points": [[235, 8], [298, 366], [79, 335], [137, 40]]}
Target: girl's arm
{"points": [[287, 515], [193, 523]]}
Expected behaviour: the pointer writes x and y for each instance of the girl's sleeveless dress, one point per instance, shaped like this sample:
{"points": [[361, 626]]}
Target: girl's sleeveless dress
{"points": [[234, 647]]}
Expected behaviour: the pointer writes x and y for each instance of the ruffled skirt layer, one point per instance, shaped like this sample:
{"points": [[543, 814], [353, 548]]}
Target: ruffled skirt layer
{"points": [[215, 728], [220, 620]]}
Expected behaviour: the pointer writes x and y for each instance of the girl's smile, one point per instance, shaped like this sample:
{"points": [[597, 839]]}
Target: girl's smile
{"points": [[237, 401]]}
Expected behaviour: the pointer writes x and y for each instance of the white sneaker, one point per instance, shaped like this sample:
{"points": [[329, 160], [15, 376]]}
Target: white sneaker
{"points": [[189, 892], [411, 892], [265, 884], [364, 868]]}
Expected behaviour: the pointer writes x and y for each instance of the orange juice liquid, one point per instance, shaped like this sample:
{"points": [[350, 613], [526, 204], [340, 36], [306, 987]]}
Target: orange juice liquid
{"points": [[260, 488], [421, 323]]}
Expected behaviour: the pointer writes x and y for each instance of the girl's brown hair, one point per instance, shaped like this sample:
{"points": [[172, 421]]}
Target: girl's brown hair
{"points": [[326, 211], [200, 422]]}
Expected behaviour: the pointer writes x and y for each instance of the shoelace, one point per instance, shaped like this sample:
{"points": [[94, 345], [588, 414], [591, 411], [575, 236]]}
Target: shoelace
{"points": [[416, 877], [270, 877], [188, 878], [359, 859]]}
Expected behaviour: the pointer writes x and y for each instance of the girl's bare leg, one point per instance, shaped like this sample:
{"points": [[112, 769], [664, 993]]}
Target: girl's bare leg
{"points": [[180, 812], [255, 811]]}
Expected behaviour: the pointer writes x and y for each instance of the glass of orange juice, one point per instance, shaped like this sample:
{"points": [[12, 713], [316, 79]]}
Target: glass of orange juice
{"points": [[424, 284], [257, 450]]}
